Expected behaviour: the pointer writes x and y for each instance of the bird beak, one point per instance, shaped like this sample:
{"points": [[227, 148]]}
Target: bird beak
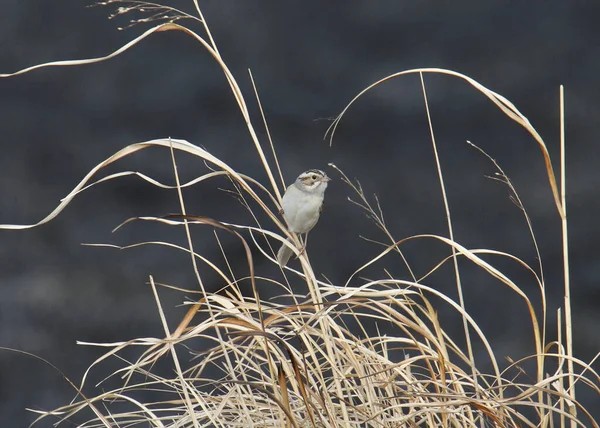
{"points": [[325, 179]]}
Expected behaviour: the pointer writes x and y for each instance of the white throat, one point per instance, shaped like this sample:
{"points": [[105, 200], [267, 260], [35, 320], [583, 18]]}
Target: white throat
{"points": [[317, 188]]}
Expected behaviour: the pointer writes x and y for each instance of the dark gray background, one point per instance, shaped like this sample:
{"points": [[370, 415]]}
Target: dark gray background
{"points": [[309, 59]]}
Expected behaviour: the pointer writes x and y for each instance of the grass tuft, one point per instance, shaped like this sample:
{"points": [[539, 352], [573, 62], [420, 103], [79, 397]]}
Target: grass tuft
{"points": [[319, 359]]}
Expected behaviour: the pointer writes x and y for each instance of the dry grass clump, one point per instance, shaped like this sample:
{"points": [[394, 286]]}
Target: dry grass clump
{"points": [[313, 359]]}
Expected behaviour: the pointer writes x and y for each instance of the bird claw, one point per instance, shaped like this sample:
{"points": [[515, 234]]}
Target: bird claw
{"points": [[302, 251]]}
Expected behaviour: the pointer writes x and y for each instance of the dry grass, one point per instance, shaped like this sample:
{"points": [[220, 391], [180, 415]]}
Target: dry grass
{"points": [[315, 360]]}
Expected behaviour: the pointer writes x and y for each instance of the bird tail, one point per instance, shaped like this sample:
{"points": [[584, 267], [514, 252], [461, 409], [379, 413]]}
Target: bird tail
{"points": [[284, 254]]}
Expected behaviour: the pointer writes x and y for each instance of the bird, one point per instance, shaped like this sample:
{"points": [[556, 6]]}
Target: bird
{"points": [[301, 206]]}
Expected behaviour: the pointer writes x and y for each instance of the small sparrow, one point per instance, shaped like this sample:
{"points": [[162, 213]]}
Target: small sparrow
{"points": [[302, 204]]}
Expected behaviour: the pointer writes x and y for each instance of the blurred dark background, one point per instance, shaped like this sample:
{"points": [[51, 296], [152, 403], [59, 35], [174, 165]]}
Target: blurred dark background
{"points": [[308, 59]]}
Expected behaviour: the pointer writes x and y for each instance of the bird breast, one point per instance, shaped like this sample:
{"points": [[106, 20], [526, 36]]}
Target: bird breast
{"points": [[301, 209]]}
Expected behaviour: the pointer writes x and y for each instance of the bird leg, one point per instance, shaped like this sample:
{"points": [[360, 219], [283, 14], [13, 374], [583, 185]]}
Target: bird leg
{"points": [[303, 243]]}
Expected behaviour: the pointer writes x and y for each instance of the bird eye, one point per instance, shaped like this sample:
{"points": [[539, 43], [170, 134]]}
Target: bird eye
{"points": [[314, 177]]}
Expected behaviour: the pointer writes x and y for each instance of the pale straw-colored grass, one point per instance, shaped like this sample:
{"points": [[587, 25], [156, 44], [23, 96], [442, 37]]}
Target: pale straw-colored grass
{"points": [[319, 359]]}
